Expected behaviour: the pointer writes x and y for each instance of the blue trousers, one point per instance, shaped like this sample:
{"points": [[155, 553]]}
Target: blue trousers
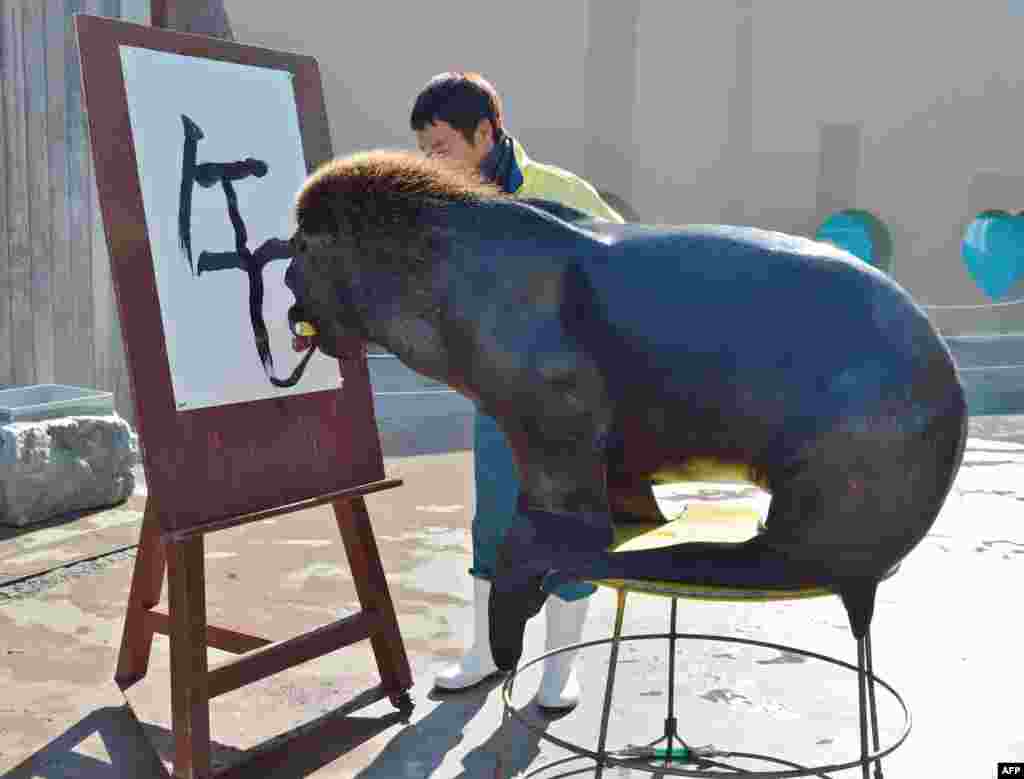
{"points": [[497, 490]]}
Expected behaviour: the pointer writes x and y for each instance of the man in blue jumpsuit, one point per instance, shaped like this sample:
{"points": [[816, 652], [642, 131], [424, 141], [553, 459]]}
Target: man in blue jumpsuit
{"points": [[458, 117]]}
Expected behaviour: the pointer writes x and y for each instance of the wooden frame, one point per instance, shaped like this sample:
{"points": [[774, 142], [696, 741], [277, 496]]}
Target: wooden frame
{"points": [[270, 452], [241, 463]]}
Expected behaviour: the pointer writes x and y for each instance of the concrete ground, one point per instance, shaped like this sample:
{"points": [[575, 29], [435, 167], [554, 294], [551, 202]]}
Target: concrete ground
{"points": [[947, 635]]}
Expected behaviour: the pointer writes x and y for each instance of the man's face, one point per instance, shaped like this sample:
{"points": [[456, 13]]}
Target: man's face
{"points": [[444, 142]]}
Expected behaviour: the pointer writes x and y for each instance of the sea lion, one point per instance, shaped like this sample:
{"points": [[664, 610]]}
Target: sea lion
{"points": [[614, 356]]}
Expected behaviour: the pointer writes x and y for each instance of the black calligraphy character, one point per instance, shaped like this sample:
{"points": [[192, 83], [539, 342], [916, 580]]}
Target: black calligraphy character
{"points": [[206, 175]]}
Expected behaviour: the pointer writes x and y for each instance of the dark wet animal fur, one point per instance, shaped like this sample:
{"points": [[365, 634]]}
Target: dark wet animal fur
{"points": [[611, 353]]}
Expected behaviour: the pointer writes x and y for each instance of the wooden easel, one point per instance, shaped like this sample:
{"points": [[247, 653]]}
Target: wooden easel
{"points": [[229, 465], [193, 684]]}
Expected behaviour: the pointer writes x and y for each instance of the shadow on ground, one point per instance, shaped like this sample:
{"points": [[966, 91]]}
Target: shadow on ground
{"points": [[420, 749], [123, 750], [126, 747], [9, 532]]}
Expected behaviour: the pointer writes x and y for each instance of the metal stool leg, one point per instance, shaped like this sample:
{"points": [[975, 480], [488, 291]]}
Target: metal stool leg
{"points": [[862, 684], [670, 719], [873, 705], [612, 666]]}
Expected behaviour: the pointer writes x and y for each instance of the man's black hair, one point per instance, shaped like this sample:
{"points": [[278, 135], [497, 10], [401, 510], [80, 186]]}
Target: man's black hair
{"points": [[460, 99]]}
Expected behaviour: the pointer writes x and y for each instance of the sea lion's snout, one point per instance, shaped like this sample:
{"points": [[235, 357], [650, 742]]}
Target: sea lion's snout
{"points": [[304, 332], [300, 323], [307, 331]]}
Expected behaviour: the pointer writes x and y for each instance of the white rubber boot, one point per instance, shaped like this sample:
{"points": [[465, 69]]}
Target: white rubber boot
{"points": [[560, 685], [477, 664]]}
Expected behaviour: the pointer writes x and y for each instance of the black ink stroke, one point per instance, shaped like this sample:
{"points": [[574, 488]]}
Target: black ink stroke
{"points": [[207, 175], [188, 167]]}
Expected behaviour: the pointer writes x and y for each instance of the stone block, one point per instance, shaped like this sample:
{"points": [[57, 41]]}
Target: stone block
{"points": [[55, 466]]}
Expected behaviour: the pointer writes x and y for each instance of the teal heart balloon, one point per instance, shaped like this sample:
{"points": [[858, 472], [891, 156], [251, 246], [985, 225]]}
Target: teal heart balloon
{"points": [[993, 251], [860, 233]]}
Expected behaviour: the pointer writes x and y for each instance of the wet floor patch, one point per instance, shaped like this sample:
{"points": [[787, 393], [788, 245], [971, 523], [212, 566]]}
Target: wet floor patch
{"points": [[310, 575], [783, 658], [1006, 549], [31, 551], [36, 585]]}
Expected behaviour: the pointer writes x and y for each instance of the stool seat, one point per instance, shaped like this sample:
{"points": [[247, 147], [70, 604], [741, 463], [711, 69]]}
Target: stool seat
{"points": [[700, 522]]}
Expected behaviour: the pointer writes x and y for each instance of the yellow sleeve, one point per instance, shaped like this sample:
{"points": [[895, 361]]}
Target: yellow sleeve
{"points": [[551, 183], [589, 201]]}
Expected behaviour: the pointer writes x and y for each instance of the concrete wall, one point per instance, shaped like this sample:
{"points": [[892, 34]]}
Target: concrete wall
{"points": [[58, 319], [376, 59], [901, 109], [774, 114]]}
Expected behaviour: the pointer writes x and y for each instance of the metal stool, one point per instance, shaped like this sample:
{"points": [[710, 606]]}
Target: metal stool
{"points": [[677, 757]]}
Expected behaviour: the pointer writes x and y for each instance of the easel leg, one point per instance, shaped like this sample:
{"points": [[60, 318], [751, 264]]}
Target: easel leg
{"points": [[190, 702], [372, 589], [147, 581]]}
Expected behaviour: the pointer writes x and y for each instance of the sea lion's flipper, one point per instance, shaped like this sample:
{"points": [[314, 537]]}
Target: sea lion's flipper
{"points": [[747, 564], [535, 544], [508, 610]]}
